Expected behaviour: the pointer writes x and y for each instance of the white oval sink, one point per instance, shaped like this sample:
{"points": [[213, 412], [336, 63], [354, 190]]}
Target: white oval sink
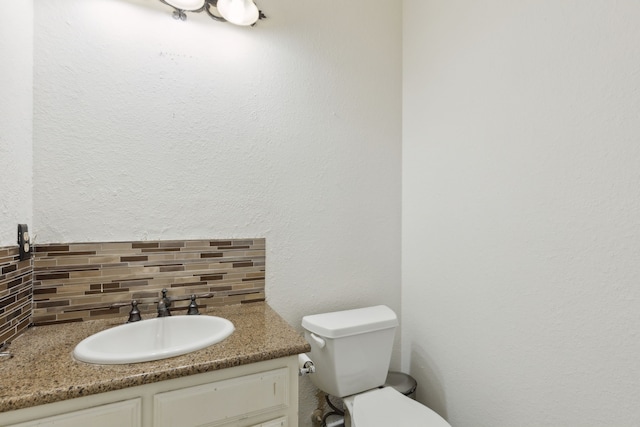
{"points": [[153, 339]]}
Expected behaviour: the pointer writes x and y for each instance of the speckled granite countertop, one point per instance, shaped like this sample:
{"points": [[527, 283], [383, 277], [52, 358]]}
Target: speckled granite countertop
{"points": [[43, 369]]}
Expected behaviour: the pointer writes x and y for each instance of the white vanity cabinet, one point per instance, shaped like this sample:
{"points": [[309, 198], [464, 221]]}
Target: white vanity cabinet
{"points": [[262, 394]]}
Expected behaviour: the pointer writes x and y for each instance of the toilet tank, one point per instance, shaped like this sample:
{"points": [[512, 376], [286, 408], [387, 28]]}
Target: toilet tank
{"points": [[351, 349]]}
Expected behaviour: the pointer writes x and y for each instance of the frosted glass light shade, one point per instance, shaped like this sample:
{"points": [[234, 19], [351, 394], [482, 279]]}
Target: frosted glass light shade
{"points": [[239, 12], [186, 4]]}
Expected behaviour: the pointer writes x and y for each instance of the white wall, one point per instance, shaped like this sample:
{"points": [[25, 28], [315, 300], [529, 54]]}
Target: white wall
{"points": [[16, 126], [521, 210], [150, 128]]}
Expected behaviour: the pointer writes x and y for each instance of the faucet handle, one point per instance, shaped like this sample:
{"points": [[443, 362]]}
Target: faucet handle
{"points": [[134, 314], [165, 298], [193, 307]]}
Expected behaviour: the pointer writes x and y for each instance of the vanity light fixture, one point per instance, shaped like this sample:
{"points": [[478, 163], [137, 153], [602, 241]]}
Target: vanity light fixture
{"points": [[238, 12]]}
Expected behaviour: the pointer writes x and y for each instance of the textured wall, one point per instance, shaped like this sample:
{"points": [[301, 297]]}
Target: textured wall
{"points": [[149, 128], [16, 105], [521, 211]]}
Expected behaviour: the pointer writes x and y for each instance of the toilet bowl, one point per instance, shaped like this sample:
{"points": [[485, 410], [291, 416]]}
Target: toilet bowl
{"points": [[386, 407], [351, 350]]}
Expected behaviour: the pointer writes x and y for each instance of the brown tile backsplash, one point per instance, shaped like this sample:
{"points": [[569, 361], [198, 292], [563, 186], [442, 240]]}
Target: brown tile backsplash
{"points": [[15, 293], [82, 281]]}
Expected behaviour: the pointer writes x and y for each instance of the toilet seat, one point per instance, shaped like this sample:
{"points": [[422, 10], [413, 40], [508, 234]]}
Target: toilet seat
{"points": [[387, 407]]}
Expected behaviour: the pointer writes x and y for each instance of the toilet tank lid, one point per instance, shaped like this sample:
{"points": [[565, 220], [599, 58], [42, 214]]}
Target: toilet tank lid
{"points": [[350, 322]]}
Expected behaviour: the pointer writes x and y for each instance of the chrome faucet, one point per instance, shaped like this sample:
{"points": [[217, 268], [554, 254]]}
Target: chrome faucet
{"points": [[164, 304]]}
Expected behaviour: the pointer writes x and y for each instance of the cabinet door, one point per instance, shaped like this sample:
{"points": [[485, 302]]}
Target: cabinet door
{"points": [[280, 422], [120, 414], [223, 402]]}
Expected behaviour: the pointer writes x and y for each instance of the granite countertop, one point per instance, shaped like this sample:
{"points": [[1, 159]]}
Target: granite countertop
{"points": [[43, 370]]}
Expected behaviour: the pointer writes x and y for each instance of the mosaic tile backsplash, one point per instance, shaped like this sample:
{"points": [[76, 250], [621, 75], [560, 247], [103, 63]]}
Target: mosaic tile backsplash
{"points": [[15, 293], [82, 281]]}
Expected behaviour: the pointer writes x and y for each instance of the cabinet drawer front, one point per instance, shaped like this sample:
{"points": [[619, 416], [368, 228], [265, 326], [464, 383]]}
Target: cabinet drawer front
{"points": [[121, 414], [223, 401]]}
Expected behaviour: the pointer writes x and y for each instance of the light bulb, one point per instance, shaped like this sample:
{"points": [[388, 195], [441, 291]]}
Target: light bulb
{"points": [[239, 12], [186, 4]]}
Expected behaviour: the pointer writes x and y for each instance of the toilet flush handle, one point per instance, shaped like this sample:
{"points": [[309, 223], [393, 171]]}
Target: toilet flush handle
{"points": [[321, 343]]}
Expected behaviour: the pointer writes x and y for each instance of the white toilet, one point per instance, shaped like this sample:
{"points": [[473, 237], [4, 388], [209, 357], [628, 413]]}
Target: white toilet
{"points": [[351, 351]]}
